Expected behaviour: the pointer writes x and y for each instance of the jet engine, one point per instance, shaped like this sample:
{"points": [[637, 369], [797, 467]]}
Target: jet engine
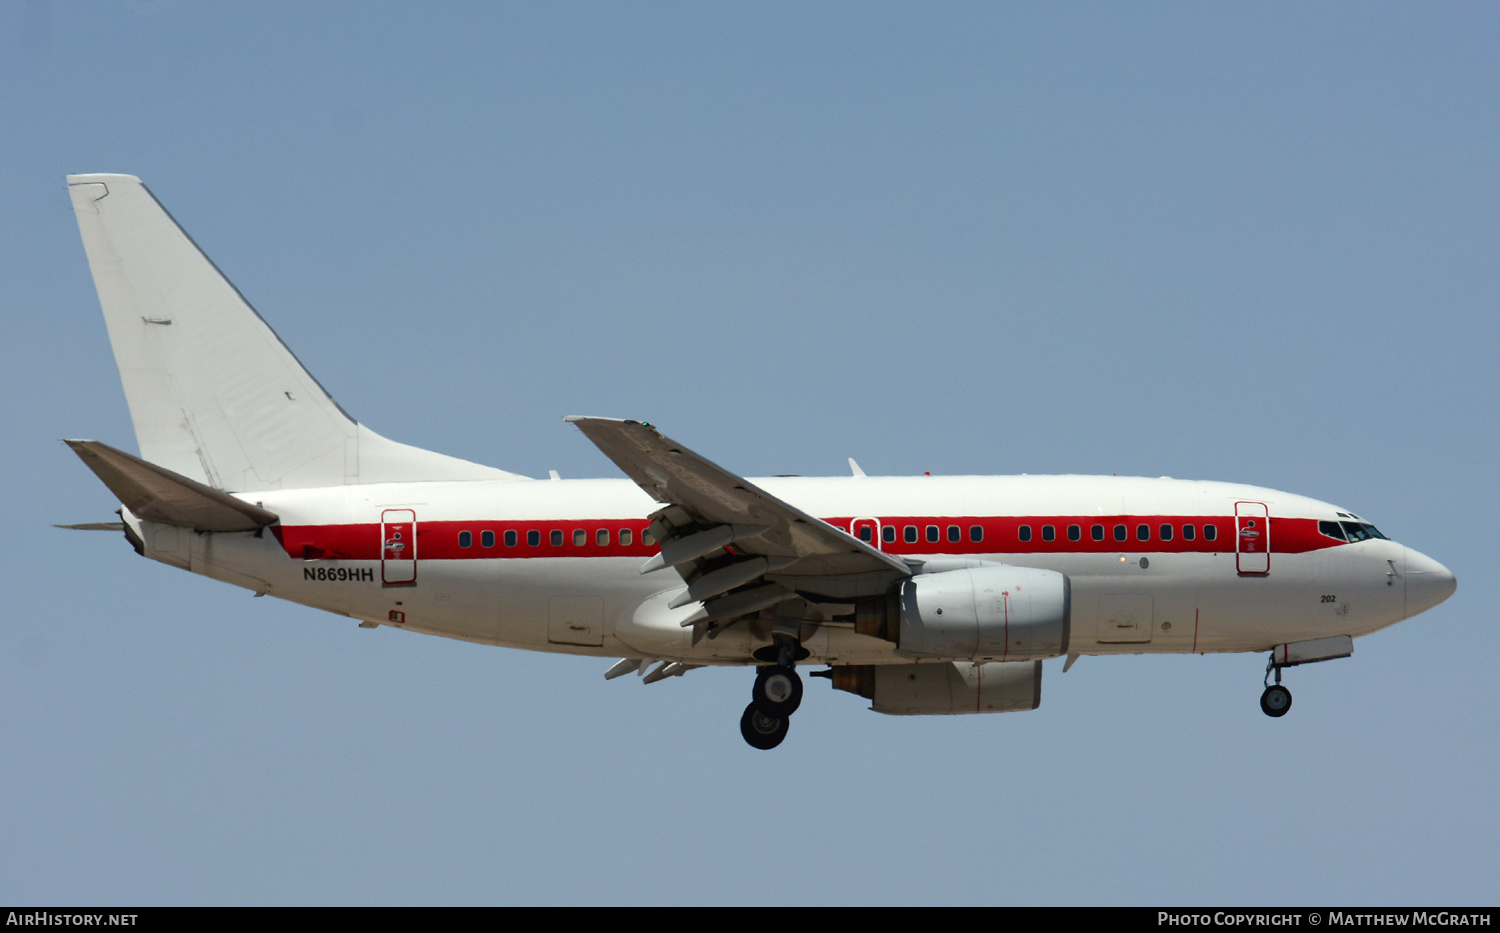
{"points": [[984, 612]]}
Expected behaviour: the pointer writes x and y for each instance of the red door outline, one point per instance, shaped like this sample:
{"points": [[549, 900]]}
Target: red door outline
{"points": [[398, 547], [1252, 538]]}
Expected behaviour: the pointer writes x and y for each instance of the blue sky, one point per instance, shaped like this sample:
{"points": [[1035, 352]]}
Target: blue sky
{"points": [[1243, 242]]}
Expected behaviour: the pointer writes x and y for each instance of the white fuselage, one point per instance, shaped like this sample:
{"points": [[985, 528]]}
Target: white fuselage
{"points": [[468, 567]]}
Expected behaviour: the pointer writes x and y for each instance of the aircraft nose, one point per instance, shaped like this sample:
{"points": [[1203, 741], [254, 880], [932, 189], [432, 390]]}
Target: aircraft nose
{"points": [[1427, 583]]}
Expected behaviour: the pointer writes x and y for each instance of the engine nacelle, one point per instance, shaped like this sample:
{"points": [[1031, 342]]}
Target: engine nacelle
{"points": [[990, 612], [945, 687]]}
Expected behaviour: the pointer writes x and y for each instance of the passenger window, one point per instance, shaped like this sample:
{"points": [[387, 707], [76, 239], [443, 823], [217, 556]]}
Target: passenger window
{"points": [[625, 537], [510, 538], [1166, 532], [976, 533], [1210, 532], [911, 534], [1024, 533], [954, 534], [647, 538], [1189, 532], [1143, 532], [1098, 532], [580, 537], [533, 538], [1075, 532], [557, 537], [601, 537], [1049, 533], [888, 533], [932, 532], [866, 533], [465, 539], [1121, 533], [487, 538]]}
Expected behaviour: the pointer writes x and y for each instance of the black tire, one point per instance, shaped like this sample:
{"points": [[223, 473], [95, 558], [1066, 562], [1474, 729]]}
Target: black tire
{"points": [[762, 731], [1276, 701], [777, 691]]}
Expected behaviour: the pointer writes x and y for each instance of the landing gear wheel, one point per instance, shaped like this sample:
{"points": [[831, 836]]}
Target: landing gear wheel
{"points": [[777, 691], [762, 731], [1276, 701]]}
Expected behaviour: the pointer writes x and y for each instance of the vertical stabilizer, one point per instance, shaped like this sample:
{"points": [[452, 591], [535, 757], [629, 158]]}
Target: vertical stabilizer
{"points": [[214, 394]]}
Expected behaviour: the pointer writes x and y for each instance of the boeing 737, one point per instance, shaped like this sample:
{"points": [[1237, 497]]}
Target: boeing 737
{"points": [[924, 595]]}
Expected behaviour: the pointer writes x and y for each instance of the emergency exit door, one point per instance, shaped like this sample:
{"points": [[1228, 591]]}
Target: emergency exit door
{"points": [[866, 530]]}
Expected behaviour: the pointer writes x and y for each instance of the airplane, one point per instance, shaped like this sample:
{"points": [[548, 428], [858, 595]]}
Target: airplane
{"points": [[924, 595]]}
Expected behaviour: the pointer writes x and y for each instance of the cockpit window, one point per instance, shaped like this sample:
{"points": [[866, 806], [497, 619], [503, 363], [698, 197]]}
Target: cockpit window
{"points": [[1332, 530], [1359, 531], [1355, 531]]}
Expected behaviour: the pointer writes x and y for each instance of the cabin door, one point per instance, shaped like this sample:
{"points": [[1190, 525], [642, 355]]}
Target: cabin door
{"points": [[398, 547], [1252, 527]]}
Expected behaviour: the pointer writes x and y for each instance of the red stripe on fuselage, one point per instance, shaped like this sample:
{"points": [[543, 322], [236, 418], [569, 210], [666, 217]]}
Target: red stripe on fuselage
{"points": [[439, 540]]}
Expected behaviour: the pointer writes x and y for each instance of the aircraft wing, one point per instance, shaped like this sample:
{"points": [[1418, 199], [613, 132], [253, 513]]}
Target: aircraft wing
{"points": [[736, 544]]}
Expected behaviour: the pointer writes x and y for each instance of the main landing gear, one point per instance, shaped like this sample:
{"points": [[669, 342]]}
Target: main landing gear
{"points": [[777, 691], [774, 698], [763, 731], [1276, 700]]}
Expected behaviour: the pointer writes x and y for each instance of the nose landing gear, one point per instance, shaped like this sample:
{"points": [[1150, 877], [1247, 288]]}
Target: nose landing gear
{"points": [[1276, 700]]}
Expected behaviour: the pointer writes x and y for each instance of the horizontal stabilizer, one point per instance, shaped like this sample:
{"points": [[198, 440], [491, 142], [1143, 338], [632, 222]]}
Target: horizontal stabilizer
{"points": [[94, 526], [156, 494]]}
